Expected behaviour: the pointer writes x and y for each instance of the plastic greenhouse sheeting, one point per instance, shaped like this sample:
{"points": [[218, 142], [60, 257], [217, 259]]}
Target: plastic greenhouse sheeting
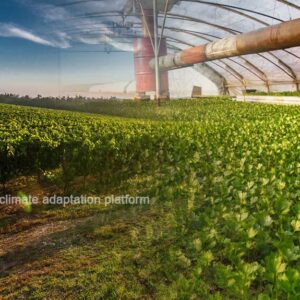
{"points": [[195, 22]]}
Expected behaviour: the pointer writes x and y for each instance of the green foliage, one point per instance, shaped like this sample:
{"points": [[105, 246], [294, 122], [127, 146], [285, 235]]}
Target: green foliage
{"points": [[179, 110], [280, 94], [226, 181]]}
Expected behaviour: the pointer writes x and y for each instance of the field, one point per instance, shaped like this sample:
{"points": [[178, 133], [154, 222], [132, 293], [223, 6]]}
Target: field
{"points": [[223, 220]]}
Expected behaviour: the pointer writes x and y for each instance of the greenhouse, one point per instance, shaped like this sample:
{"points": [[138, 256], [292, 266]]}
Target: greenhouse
{"points": [[150, 149]]}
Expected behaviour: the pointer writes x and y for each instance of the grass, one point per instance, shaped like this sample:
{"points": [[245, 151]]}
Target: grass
{"points": [[98, 253], [93, 262]]}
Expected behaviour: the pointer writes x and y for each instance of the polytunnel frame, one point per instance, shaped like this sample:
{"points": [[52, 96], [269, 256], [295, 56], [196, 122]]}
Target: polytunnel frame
{"points": [[252, 68], [281, 65]]}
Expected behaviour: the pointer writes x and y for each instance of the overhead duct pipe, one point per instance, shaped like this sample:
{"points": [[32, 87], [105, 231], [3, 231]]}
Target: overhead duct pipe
{"points": [[282, 36]]}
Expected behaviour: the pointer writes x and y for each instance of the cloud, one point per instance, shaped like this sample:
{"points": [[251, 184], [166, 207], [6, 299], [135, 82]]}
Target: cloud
{"points": [[10, 30], [121, 46], [62, 24], [62, 40], [49, 12]]}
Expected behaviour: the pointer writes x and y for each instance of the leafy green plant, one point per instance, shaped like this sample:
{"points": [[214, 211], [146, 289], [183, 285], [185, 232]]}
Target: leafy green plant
{"points": [[226, 181]]}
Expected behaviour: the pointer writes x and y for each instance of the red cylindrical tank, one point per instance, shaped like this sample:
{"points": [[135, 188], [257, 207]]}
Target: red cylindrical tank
{"points": [[145, 76]]}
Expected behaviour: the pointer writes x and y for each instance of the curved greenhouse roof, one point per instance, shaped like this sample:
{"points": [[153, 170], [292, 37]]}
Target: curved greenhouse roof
{"points": [[193, 22]]}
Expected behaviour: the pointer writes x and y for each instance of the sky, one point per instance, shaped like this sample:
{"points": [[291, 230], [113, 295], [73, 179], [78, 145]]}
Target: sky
{"points": [[41, 53], [50, 47]]}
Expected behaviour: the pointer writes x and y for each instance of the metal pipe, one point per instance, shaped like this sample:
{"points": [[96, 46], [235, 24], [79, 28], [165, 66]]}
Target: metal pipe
{"points": [[289, 4], [281, 36], [156, 54], [164, 23]]}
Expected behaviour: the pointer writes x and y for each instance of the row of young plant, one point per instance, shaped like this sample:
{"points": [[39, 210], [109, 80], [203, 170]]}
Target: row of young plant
{"points": [[229, 185], [179, 110], [34, 141], [237, 202]]}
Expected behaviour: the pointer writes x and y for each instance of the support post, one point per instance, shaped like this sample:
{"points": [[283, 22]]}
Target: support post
{"points": [[156, 54]]}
